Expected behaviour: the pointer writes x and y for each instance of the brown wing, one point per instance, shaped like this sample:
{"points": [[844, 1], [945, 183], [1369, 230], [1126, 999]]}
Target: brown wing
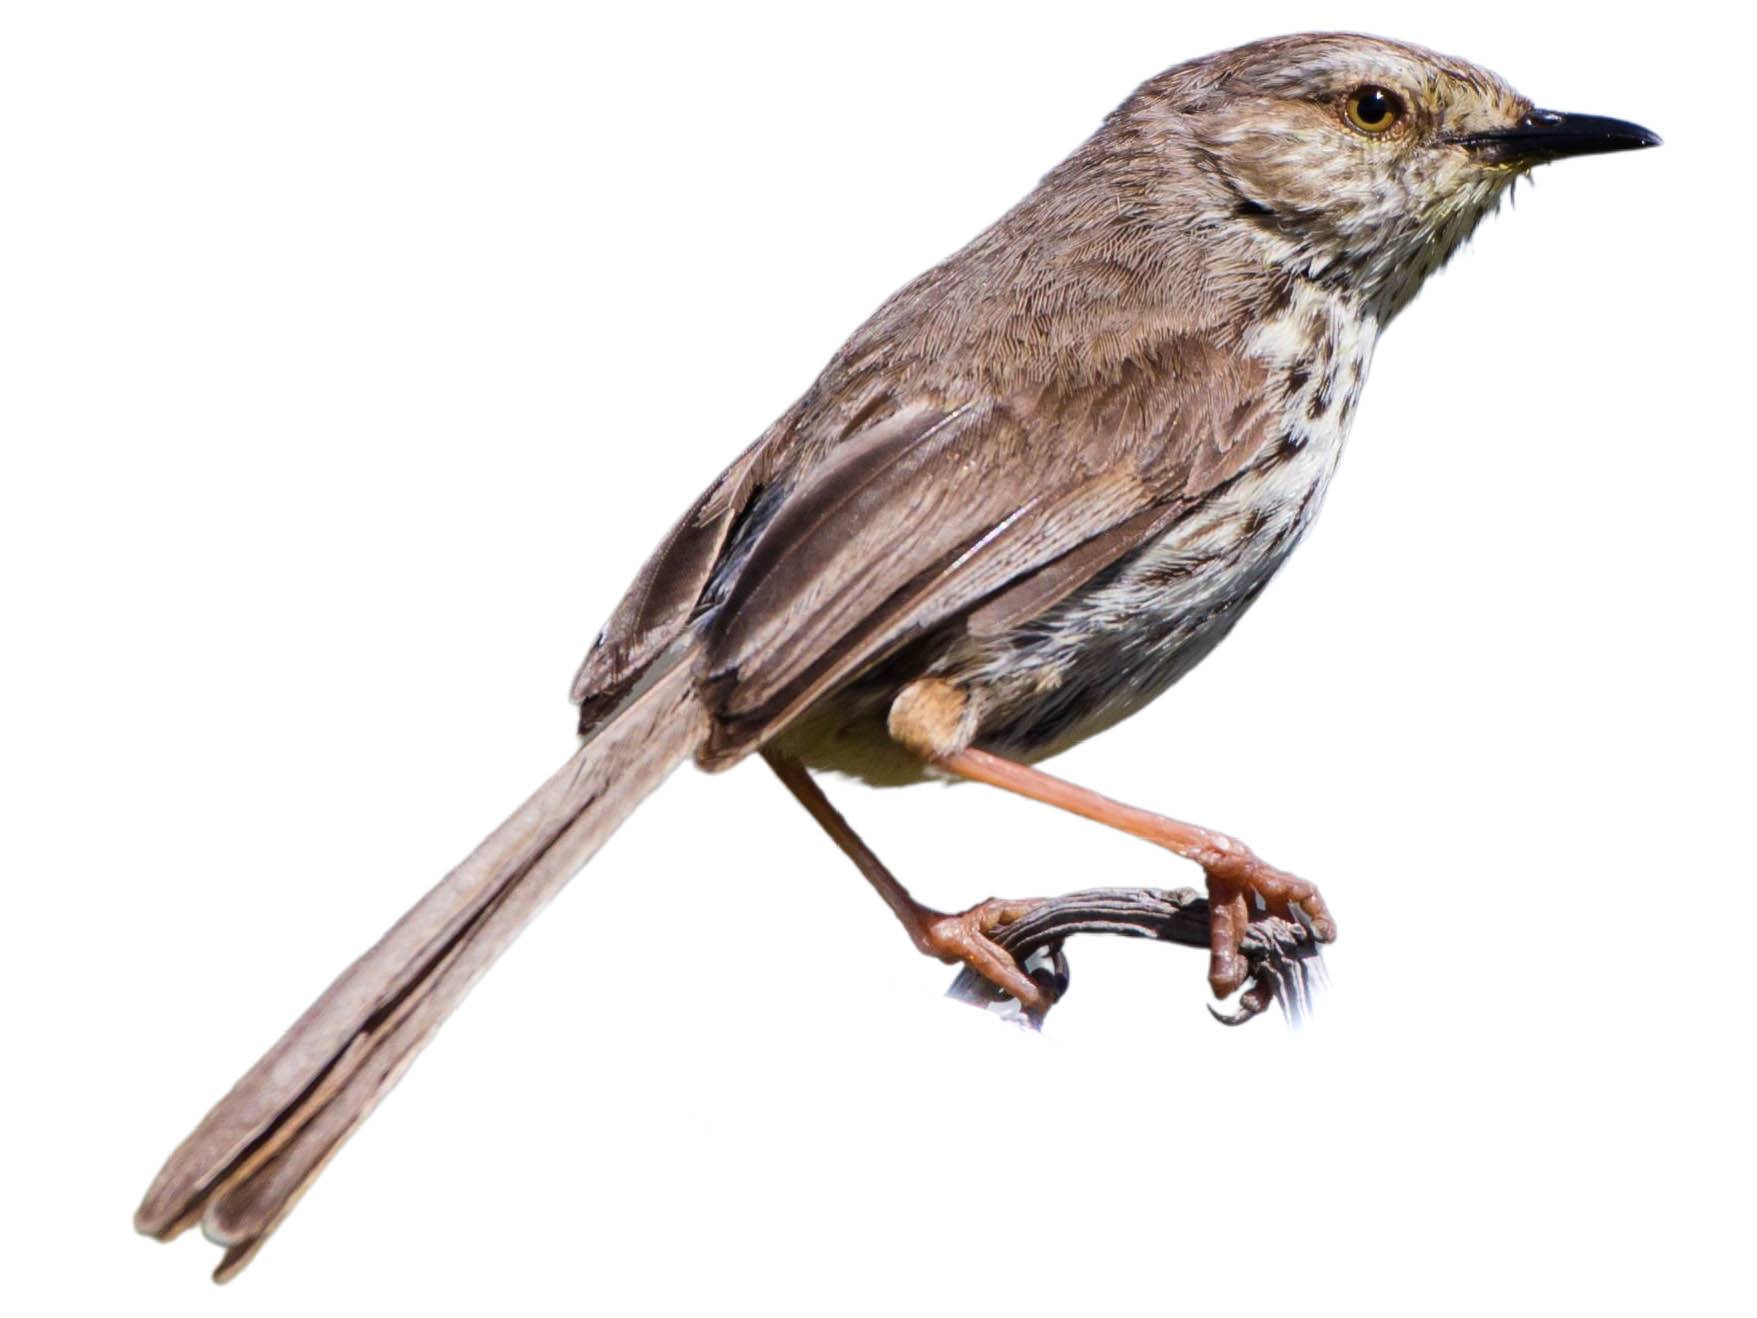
{"points": [[1009, 505], [668, 589], [1002, 428]]}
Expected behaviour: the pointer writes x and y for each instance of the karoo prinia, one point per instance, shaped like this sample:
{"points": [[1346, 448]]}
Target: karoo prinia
{"points": [[1032, 491]]}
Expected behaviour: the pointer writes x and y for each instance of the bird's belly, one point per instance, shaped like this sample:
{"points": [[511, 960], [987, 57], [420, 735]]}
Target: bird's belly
{"points": [[1113, 647], [1124, 638], [1107, 652]]}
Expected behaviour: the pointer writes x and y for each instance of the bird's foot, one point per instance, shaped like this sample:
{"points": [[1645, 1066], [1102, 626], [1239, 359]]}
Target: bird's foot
{"points": [[964, 937], [1239, 884]]}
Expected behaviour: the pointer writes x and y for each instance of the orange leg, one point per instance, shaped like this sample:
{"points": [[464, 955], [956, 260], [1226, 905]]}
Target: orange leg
{"points": [[961, 937], [1235, 874]]}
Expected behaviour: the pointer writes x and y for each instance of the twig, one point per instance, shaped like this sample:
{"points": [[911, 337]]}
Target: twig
{"points": [[1283, 956]]}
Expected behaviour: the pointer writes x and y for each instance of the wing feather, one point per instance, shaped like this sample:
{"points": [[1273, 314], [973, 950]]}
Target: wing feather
{"points": [[990, 510]]}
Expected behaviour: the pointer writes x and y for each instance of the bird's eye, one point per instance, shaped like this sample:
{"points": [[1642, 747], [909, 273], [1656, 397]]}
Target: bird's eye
{"points": [[1374, 109]]}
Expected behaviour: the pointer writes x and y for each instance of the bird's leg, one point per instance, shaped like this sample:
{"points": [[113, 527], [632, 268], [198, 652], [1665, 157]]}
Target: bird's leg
{"points": [[1235, 874], [959, 937]]}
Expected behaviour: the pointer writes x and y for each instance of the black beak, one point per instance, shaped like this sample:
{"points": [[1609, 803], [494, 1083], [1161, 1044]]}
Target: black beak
{"points": [[1545, 135]]}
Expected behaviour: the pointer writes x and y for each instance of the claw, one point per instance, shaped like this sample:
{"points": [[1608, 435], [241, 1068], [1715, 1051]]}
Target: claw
{"points": [[1282, 971], [1241, 886], [1250, 1006], [965, 937]]}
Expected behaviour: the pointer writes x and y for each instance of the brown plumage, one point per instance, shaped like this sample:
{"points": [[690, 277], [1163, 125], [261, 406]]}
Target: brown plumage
{"points": [[1040, 483]]}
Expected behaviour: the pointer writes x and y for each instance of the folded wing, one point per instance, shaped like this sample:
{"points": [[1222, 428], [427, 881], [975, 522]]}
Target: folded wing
{"points": [[832, 555]]}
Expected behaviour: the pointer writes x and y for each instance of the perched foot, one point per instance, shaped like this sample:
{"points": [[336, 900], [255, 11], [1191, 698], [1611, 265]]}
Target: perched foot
{"points": [[964, 937], [1237, 883], [1237, 880]]}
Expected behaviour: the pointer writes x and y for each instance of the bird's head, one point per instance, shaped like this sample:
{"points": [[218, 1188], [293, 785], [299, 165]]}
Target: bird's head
{"points": [[1362, 160]]}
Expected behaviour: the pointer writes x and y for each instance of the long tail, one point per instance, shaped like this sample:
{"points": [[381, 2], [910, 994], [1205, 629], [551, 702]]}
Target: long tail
{"points": [[245, 1166]]}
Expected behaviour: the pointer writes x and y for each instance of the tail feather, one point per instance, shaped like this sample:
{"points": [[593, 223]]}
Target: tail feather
{"points": [[244, 1167]]}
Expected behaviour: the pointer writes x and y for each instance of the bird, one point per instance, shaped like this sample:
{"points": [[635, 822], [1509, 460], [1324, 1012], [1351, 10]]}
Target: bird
{"points": [[1035, 488]]}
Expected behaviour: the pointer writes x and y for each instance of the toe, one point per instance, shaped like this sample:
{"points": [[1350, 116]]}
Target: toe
{"points": [[1228, 917]]}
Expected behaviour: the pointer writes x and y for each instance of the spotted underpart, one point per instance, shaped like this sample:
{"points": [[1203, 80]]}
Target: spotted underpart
{"points": [[1105, 653]]}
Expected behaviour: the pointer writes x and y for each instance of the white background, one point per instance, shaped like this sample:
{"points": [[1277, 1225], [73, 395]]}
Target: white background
{"points": [[353, 357]]}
